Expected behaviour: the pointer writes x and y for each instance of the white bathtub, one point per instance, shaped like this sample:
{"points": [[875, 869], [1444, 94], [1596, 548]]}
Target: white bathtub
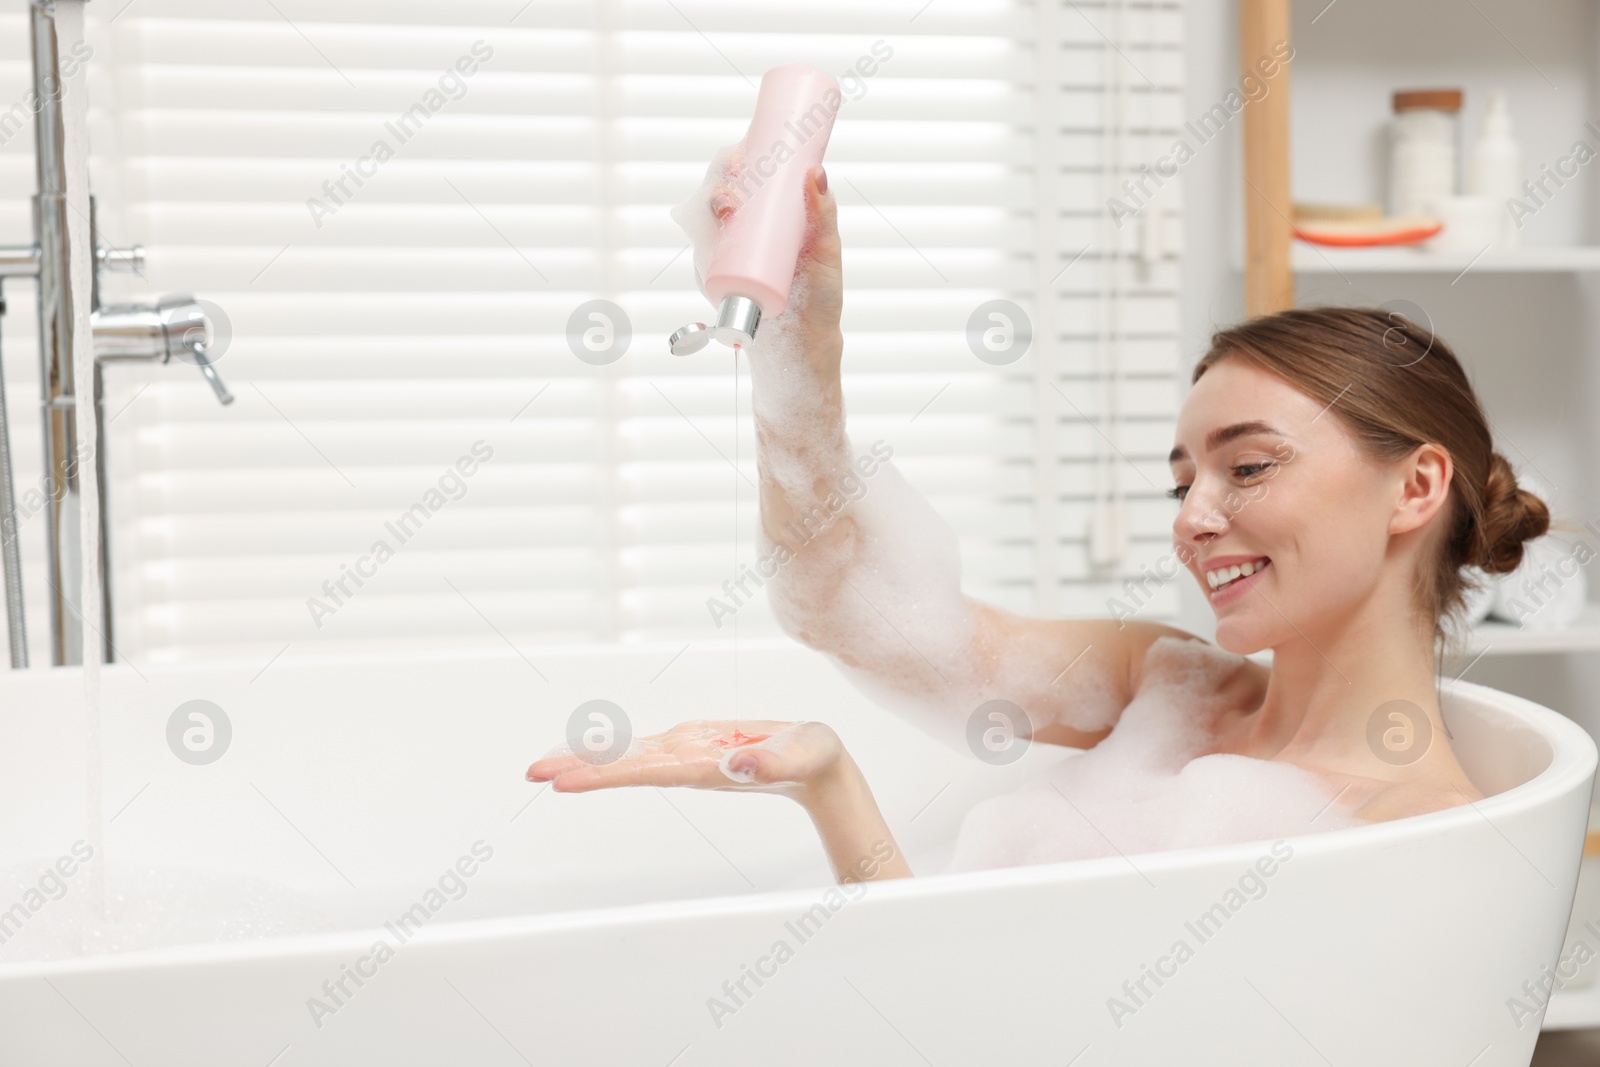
{"points": [[603, 924]]}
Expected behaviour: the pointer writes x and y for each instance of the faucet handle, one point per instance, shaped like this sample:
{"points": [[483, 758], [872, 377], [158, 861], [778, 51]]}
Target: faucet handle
{"points": [[186, 325], [209, 370]]}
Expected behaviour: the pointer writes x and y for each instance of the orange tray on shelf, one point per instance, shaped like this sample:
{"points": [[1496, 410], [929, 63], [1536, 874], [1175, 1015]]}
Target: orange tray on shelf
{"points": [[1367, 233]]}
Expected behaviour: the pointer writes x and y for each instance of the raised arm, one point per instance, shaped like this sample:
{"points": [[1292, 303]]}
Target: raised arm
{"points": [[869, 573]]}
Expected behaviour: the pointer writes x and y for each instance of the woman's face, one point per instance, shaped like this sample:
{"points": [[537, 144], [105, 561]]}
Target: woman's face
{"points": [[1270, 482]]}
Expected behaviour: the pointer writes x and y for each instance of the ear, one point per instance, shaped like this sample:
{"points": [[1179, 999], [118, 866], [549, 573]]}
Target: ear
{"points": [[1424, 487]]}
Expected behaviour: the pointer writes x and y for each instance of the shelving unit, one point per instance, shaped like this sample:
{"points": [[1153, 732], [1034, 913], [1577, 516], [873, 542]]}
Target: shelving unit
{"points": [[1531, 333], [1508, 639], [1317, 259]]}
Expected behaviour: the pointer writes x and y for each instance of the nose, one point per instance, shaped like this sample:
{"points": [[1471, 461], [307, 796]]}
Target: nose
{"points": [[1200, 520]]}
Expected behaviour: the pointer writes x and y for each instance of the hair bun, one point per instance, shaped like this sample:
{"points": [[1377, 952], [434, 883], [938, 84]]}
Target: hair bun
{"points": [[1511, 516]]}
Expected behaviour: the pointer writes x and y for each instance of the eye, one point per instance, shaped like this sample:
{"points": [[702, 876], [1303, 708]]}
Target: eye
{"points": [[1244, 471]]}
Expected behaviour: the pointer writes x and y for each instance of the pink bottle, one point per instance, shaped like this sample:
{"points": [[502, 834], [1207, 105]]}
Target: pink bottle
{"points": [[758, 246]]}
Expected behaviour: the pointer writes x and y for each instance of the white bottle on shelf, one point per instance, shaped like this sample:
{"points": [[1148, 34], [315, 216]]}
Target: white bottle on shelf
{"points": [[1495, 170]]}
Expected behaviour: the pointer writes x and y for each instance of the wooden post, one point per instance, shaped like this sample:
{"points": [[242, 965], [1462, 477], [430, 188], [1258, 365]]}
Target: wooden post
{"points": [[1268, 281]]}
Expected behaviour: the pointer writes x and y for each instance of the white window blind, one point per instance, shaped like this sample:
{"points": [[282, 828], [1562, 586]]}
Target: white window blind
{"points": [[377, 336]]}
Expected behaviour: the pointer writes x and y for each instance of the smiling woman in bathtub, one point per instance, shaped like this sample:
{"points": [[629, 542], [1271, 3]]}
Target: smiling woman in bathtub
{"points": [[1334, 474]]}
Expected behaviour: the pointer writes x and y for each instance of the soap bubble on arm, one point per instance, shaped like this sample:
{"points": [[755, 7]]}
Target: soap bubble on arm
{"points": [[695, 215], [869, 572]]}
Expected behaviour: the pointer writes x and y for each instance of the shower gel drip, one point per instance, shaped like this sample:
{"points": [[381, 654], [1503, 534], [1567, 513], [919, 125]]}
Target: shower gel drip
{"points": [[745, 262]]}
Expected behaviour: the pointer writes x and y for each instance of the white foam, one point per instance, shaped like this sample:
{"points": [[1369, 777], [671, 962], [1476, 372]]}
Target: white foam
{"points": [[1146, 788], [695, 216]]}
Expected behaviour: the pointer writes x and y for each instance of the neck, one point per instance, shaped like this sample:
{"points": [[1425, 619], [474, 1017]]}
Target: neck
{"points": [[1326, 684]]}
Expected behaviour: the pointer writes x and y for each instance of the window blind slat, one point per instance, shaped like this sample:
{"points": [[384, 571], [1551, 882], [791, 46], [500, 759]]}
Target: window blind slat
{"points": [[429, 310]]}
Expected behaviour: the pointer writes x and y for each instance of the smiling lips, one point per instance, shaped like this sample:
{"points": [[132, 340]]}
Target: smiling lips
{"points": [[1219, 578]]}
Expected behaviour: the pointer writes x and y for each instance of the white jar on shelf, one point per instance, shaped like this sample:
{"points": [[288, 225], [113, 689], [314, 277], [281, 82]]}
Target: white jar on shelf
{"points": [[1422, 159]]}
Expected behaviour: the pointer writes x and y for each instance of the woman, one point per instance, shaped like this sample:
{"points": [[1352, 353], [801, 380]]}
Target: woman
{"points": [[1334, 474]]}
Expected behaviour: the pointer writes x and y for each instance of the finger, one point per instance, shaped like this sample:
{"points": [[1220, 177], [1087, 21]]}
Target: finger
{"points": [[715, 735], [756, 765], [820, 203], [543, 770], [791, 755], [663, 770], [742, 765], [562, 758], [558, 759], [822, 209]]}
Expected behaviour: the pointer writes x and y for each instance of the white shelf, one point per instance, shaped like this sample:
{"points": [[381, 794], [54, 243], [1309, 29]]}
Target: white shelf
{"points": [[1316, 259], [1507, 639]]}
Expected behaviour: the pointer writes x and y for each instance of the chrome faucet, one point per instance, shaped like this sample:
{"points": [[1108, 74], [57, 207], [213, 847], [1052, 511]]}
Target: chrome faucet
{"points": [[173, 326]]}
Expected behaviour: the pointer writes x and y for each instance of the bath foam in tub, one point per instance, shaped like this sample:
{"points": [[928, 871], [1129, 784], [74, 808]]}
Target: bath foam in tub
{"points": [[1147, 788]]}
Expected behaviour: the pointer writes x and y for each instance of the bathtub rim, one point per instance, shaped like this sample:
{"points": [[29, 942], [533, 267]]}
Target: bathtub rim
{"points": [[1573, 762]]}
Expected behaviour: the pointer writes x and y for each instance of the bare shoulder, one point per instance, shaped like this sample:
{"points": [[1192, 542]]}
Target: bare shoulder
{"points": [[1401, 800], [1128, 643], [1174, 658], [1103, 663], [1147, 657], [1140, 638], [1218, 690]]}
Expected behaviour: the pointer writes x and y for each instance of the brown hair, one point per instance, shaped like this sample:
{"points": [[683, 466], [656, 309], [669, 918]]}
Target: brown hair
{"points": [[1397, 386]]}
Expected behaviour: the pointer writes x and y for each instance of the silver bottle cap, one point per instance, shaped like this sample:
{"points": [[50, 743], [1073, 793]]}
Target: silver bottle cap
{"points": [[687, 340], [737, 319]]}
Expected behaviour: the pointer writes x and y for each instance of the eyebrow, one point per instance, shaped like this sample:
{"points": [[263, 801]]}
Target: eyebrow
{"points": [[1227, 433]]}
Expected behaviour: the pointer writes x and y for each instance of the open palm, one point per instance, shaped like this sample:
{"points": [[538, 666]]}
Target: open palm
{"points": [[752, 755]]}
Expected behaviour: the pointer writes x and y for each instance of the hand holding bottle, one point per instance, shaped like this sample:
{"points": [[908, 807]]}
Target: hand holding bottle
{"points": [[749, 228], [818, 293]]}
